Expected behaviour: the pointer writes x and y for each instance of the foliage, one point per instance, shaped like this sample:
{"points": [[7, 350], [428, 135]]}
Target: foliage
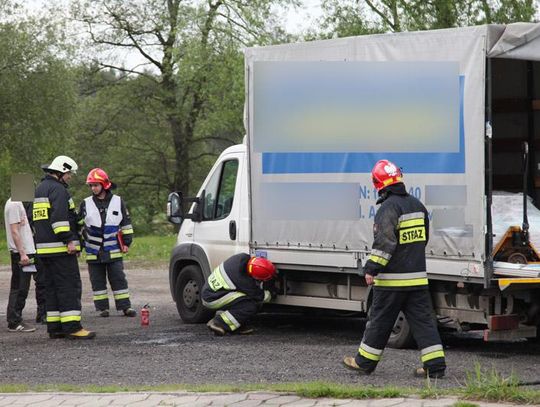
{"points": [[194, 88], [5, 259], [353, 17], [37, 95], [482, 384]]}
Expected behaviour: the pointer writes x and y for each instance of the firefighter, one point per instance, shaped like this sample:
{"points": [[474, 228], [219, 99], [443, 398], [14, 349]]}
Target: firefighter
{"points": [[57, 247], [396, 267], [235, 288], [107, 233]]}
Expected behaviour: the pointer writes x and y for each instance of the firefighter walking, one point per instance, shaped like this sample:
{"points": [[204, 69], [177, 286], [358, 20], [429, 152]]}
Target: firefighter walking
{"points": [[57, 246], [107, 233], [235, 288], [396, 267]]}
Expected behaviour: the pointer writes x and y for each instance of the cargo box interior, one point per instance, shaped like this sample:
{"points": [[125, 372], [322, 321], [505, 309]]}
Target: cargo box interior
{"points": [[515, 106]]}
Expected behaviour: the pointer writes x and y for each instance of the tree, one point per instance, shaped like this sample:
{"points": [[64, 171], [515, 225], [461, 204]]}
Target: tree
{"points": [[37, 94], [185, 47], [411, 15]]}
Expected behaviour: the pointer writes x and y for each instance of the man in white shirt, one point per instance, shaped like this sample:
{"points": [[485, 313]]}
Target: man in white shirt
{"points": [[22, 249]]}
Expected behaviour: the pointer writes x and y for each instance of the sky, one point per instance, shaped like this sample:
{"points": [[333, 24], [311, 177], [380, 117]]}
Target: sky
{"points": [[296, 21], [303, 17]]}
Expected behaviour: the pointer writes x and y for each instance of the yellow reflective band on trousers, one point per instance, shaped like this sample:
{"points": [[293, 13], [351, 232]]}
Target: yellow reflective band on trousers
{"points": [[53, 318], [400, 283], [376, 259], [70, 318], [230, 323], [116, 255], [432, 355], [121, 296], [91, 257], [100, 297], [368, 355]]}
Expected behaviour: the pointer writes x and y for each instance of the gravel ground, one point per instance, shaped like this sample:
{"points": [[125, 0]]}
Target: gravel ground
{"points": [[285, 348]]}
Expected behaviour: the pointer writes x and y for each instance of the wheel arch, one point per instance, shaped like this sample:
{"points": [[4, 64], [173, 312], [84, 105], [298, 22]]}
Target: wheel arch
{"points": [[183, 255]]}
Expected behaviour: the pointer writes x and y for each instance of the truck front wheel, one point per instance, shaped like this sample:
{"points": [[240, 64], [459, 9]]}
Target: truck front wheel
{"points": [[188, 290]]}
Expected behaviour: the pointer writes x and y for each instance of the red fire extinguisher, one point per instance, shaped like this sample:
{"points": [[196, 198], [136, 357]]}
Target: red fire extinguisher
{"points": [[145, 316]]}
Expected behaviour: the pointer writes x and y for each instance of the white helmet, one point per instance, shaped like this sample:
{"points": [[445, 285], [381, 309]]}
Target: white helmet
{"points": [[62, 164]]}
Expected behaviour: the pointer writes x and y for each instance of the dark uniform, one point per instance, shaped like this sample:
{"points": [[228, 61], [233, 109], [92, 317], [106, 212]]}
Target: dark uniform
{"points": [[102, 222], [55, 224], [230, 288], [398, 264], [39, 275]]}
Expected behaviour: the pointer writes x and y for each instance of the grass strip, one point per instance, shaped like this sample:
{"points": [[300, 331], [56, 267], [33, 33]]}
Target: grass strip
{"points": [[480, 386]]}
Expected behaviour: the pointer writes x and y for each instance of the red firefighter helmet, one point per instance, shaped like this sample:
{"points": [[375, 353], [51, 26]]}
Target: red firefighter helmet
{"points": [[261, 269], [385, 173], [98, 176]]}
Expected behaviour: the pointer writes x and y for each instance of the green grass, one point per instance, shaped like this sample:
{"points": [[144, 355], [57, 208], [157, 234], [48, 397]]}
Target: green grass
{"points": [[151, 248], [4, 253], [482, 384], [144, 248]]}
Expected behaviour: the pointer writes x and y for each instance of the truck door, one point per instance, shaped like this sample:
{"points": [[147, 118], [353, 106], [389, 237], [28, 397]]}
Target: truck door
{"points": [[218, 231]]}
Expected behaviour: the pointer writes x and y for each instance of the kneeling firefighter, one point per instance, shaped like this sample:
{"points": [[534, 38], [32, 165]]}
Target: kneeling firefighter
{"points": [[235, 288], [397, 268]]}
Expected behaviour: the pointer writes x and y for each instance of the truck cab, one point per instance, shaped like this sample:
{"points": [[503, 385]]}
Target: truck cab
{"points": [[213, 229]]}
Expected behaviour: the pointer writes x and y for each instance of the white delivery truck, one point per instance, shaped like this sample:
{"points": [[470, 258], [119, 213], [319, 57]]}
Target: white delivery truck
{"points": [[451, 107]]}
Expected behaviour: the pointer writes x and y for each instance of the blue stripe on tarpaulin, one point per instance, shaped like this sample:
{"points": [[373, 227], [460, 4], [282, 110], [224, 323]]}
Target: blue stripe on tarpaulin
{"points": [[420, 163]]}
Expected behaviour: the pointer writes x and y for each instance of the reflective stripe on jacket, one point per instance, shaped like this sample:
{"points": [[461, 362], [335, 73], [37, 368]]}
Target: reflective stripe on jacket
{"points": [[102, 219], [54, 218], [401, 232], [230, 281]]}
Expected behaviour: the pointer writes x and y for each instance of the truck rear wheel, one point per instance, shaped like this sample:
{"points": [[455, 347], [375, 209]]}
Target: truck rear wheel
{"points": [[188, 291], [401, 336]]}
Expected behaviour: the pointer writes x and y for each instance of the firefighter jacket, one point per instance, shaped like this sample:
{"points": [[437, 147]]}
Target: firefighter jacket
{"points": [[401, 232], [230, 281], [54, 218], [106, 225]]}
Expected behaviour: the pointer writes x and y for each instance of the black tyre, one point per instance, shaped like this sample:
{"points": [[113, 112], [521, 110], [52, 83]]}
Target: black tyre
{"points": [[188, 291], [401, 336]]}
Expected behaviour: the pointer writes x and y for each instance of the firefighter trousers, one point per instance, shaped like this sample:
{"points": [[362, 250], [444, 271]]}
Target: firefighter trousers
{"points": [[19, 287], [114, 271], [237, 313], [63, 293], [417, 307]]}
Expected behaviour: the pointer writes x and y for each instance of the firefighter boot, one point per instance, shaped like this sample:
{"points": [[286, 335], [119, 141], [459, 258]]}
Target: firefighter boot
{"points": [[130, 312], [421, 372], [214, 326], [82, 334], [350, 363], [244, 330]]}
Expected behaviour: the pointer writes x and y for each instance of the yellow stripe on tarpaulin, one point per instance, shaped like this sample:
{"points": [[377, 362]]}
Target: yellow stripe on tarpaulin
{"points": [[504, 283]]}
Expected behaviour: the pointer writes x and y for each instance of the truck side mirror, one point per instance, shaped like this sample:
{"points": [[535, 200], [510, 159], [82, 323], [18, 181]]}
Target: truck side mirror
{"points": [[175, 208], [175, 211], [197, 214]]}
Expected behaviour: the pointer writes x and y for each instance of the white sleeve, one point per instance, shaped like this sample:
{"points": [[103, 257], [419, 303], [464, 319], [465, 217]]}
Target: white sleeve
{"points": [[13, 214]]}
